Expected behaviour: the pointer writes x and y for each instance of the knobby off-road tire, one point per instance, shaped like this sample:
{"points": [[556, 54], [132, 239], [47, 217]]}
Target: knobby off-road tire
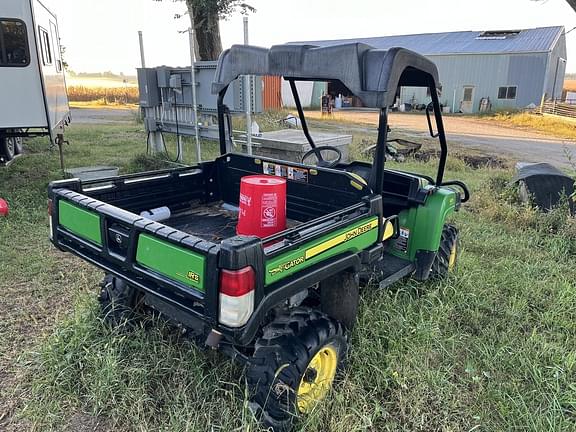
{"points": [[447, 256], [118, 301], [281, 373]]}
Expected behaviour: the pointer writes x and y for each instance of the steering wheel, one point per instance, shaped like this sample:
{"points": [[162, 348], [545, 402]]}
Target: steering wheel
{"points": [[321, 162]]}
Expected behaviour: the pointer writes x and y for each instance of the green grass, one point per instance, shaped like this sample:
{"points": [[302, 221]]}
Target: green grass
{"points": [[492, 348], [535, 123]]}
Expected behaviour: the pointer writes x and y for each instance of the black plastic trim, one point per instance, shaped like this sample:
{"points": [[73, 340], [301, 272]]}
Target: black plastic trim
{"points": [[424, 260], [292, 285]]}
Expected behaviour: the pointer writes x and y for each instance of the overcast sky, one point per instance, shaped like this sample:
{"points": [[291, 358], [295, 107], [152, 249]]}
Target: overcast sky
{"points": [[101, 35]]}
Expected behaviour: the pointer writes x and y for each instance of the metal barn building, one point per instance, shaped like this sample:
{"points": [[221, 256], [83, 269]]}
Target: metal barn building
{"points": [[505, 68]]}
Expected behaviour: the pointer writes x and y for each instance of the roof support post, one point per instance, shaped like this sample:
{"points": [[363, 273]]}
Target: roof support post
{"points": [[301, 113], [441, 132], [221, 123], [377, 174]]}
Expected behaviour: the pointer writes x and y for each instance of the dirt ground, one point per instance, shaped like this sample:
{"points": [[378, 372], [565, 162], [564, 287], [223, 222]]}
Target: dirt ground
{"points": [[102, 115], [488, 137]]}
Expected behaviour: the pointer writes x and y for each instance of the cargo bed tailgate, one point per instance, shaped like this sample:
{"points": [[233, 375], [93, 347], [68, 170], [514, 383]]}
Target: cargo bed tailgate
{"points": [[179, 267]]}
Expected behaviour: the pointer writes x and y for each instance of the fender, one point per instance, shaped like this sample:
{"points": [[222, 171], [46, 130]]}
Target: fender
{"points": [[421, 227]]}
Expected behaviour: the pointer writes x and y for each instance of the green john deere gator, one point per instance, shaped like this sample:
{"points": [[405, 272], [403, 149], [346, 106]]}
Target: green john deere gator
{"points": [[282, 304]]}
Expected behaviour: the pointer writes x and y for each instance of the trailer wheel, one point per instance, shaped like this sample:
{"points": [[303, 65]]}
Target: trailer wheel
{"points": [[447, 255], [7, 148], [118, 300], [18, 144], [294, 365]]}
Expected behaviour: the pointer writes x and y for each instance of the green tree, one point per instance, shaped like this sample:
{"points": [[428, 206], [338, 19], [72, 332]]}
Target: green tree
{"points": [[205, 16]]}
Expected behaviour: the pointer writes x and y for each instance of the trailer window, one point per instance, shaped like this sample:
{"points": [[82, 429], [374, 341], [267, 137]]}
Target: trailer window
{"points": [[13, 43], [46, 48]]}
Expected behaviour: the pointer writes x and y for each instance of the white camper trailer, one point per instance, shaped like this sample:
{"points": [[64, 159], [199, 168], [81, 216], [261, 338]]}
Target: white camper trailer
{"points": [[33, 99]]}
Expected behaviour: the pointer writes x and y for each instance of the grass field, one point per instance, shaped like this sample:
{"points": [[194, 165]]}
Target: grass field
{"points": [[490, 349], [102, 90], [555, 127]]}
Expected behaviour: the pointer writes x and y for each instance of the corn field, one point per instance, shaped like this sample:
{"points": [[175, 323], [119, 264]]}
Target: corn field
{"points": [[105, 95]]}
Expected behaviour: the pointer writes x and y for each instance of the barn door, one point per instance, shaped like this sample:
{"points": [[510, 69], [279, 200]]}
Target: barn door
{"points": [[466, 106]]}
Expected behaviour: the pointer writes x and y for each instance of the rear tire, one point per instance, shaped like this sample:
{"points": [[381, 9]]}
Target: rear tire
{"points": [[447, 255], [118, 300], [294, 365]]}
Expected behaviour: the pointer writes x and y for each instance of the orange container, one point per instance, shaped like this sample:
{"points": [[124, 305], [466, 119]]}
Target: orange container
{"points": [[262, 205]]}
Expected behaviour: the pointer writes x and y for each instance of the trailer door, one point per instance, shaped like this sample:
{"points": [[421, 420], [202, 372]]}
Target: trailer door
{"points": [[21, 97], [51, 67]]}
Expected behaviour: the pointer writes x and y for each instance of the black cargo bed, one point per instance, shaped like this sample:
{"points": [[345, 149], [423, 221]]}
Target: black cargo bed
{"points": [[211, 222]]}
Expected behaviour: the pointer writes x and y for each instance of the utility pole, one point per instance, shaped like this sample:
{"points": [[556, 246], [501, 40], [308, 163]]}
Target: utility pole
{"points": [[141, 41], [248, 97], [193, 83]]}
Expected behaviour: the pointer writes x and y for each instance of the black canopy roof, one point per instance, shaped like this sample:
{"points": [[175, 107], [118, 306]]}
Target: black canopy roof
{"points": [[369, 73]]}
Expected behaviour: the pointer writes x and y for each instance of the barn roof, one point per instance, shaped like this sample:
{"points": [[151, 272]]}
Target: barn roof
{"points": [[541, 39]]}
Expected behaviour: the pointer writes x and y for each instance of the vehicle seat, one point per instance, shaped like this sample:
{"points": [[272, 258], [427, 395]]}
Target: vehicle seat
{"points": [[401, 190]]}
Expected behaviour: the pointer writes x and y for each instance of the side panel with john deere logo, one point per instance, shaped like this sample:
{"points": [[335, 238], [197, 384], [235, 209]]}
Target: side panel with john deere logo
{"points": [[353, 238]]}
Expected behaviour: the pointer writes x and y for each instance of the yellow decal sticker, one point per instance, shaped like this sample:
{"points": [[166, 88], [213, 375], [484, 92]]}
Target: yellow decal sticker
{"points": [[344, 237]]}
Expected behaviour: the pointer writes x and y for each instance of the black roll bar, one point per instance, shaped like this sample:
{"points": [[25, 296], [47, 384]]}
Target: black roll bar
{"points": [[440, 133], [221, 126], [377, 173], [296, 97]]}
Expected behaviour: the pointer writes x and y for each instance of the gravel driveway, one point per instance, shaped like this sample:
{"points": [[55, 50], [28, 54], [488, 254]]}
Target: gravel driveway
{"points": [[483, 135]]}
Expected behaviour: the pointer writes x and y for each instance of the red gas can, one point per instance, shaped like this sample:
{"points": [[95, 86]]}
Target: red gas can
{"points": [[262, 205]]}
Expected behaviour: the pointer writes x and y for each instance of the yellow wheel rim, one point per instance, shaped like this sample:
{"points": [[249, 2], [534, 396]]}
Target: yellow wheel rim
{"points": [[317, 378], [452, 260]]}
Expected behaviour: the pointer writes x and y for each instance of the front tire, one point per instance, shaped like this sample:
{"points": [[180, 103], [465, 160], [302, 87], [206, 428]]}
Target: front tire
{"points": [[447, 256], [294, 365], [118, 300]]}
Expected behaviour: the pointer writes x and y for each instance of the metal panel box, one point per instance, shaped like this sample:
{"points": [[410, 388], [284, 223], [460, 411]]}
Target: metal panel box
{"points": [[148, 87]]}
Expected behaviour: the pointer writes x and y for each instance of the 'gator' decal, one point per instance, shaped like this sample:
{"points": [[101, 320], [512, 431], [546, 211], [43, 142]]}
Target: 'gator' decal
{"points": [[353, 238]]}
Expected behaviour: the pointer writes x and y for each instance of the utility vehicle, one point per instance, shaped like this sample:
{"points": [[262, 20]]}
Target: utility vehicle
{"points": [[282, 304]]}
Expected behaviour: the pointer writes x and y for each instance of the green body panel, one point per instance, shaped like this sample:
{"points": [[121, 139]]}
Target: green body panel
{"points": [[355, 238], [172, 261], [83, 223], [425, 224]]}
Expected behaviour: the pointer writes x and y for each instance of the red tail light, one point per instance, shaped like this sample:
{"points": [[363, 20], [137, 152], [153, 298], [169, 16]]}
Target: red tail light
{"points": [[236, 283], [49, 207], [236, 296]]}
